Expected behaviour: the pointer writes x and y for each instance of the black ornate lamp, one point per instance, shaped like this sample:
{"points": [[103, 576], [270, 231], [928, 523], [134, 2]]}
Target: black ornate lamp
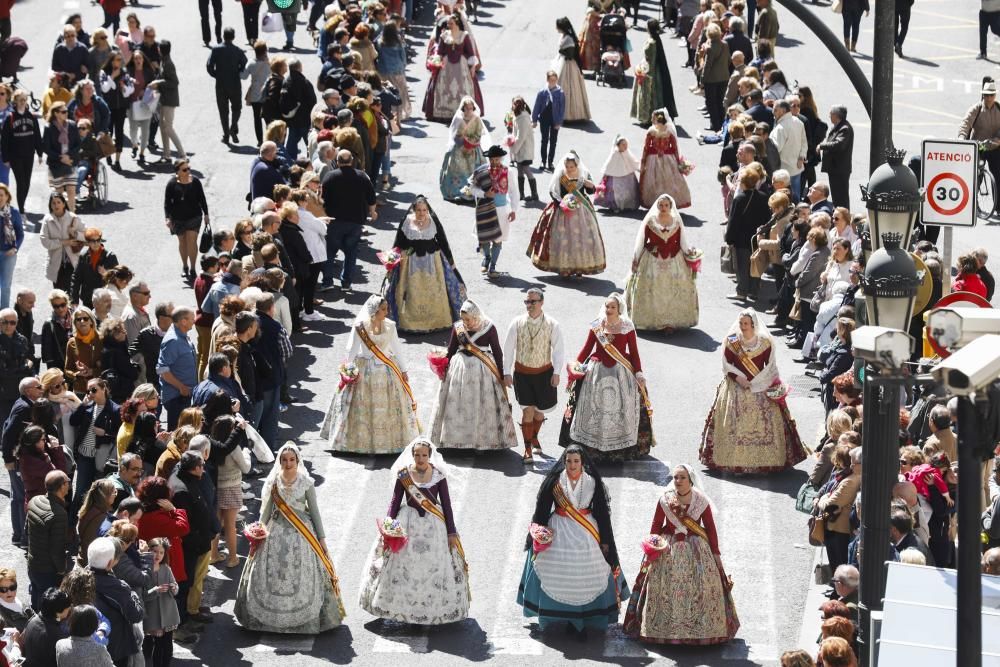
{"points": [[893, 197], [890, 284]]}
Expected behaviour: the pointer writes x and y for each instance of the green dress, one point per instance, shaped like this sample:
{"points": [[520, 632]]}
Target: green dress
{"points": [[656, 90]]}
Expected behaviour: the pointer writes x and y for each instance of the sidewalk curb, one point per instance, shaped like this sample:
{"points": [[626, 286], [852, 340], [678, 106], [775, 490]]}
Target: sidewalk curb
{"points": [[810, 628]]}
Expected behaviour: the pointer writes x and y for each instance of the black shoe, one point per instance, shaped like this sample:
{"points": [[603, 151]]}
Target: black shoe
{"points": [[135, 152], [234, 137], [254, 472], [225, 138]]}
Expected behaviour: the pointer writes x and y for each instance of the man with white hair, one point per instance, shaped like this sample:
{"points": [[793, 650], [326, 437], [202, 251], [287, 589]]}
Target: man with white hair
{"points": [[29, 390], [982, 256], [264, 173], [119, 603], [789, 136], [16, 360], [326, 153], [134, 315]]}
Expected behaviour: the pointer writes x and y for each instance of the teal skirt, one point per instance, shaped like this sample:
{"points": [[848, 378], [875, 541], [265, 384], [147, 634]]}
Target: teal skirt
{"points": [[599, 613]]}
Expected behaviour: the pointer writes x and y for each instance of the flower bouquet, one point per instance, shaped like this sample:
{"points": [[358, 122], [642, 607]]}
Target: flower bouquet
{"points": [[255, 533], [569, 203], [654, 546], [348, 375], [434, 63], [685, 166], [601, 187], [778, 391], [574, 371], [393, 535], [509, 140], [641, 71], [469, 145], [541, 538], [390, 258], [693, 258], [438, 360]]}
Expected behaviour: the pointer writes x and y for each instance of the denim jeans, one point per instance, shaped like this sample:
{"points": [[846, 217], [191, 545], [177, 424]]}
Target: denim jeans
{"points": [[174, 407], [17, 513], [7, 263], [296, 135], [39, 583], [795, 185], [270, 404], [86, 473], [342, 236], [4, 174]]}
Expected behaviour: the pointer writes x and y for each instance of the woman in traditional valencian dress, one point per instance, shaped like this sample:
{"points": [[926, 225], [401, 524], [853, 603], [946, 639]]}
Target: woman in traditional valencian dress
{"points": [[452, 60], [661, 171], [575, 577], [473, 410], [749, 428], [567, 239], [619, 188], [683, 592], [661, 290], [590, 38], [375, 413], [425, 290], [426, 581], [607, 411], [567, 65], [289, 584], [468, 136], [654, 89]]}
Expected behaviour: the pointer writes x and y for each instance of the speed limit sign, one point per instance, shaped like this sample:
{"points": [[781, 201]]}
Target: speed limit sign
{"points": [[949, 173]]}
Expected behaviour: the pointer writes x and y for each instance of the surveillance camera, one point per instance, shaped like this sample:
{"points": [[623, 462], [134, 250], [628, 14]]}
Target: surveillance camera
{"points": [[882, 346], [954, 327], [973, 367]]}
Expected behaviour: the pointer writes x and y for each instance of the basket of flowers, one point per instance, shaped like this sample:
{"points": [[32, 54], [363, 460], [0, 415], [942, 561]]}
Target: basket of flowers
{"points": [[393, 534], [255, 533], [693, 258], [654, 546], [569, 203], [390, 258], [541, 537], [685, 166], [641, 71], [434, 63], [778, 391]]}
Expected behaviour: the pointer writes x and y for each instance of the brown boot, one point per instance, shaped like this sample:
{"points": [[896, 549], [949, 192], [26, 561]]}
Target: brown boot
{"points": [[537, 446], [854, 46], [526, 434]]}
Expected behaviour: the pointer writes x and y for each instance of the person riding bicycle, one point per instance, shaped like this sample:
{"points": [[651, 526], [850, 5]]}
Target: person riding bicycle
{"points": [[982, 123]]}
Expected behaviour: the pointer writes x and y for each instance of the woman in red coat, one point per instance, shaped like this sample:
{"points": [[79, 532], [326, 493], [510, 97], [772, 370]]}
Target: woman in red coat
{"points": [[607, 412], [968, 278], [161, 519], [37, 456]]}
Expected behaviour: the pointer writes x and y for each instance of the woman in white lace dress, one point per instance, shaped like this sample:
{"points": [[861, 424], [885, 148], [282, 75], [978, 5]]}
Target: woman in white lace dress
{"points": [[288, 583], [426, 582], [376, 413]]}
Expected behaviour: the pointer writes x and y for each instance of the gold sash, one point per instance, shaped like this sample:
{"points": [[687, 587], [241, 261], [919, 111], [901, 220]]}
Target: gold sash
{"points": [[616, 354], [381, 356], [311, 540], [741, 354], [466, 342], [563, 503]]}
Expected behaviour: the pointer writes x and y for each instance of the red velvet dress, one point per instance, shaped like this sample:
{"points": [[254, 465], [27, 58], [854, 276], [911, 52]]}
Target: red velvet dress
{"points": [[660, 172]]}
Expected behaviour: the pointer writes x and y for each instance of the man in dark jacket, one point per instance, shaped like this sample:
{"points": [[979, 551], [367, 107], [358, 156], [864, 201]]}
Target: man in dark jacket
{"points": [[298, 253], [275, 349], [737, 39], [29, 391], [837, 154], [38, 641], [16, 360], [225, 65], [246, 331], [188, 496], [220, 377], [348, 198], [264, 174], [298, 97], [145, 349], [48, 536], [115, 600], [756, 108], [70, 56], [88, 275]]}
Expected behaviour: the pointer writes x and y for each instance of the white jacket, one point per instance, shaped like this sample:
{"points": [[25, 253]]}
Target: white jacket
{"points": [[789, 135], [314, 234]]}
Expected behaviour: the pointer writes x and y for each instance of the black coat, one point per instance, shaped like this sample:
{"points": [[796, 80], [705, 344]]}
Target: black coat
{"points": [[188, 496], [48, 534], [53, 149], [147, 345], [109, 419], [225, 64], [86, 279], [17, 421], [39, 641], [123, 609], [838, 149], [748, 211], [298, 251], [121, 372], [298, 97], [270, 105]]}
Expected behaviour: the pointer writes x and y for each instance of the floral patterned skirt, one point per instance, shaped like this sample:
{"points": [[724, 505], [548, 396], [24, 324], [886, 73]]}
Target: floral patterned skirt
{"points": [[372, 415], [425, 582], [457, 166], [605, 415], [472, 410], [681, 598], [284, 587], [446, 89], [746, 432], [567, 243], [661, 175], [662, 293], [424, 293]]}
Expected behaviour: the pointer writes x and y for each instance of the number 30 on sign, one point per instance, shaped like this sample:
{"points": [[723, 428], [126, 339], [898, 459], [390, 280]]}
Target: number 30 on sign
{"points": [[949, 178]]}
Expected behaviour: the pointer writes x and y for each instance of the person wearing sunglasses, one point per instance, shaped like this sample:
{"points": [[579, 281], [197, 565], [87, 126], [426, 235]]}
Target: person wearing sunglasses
{"points": [[15, 360], [57, 330], [533, 354], [94, 264], [83, 351], [96, 423], [56, 390], [13, 613], [61, 144]]}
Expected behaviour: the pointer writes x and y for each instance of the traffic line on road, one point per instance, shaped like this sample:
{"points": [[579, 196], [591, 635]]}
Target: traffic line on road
{"points": [[401, 644], [272, 643], [950, 17]]}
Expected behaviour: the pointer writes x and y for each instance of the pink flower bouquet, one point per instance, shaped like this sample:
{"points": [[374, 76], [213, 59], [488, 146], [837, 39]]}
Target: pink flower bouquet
{"points": [[569, 203], [393, 535], [693, 258], [255, 533], [390, 258], [348, 375], [438, 360], [434, 63], [541, 537], [654, 546]]}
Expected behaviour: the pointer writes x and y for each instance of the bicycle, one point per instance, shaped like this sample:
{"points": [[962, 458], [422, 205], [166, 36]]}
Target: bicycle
{"points": [[986, 186]]}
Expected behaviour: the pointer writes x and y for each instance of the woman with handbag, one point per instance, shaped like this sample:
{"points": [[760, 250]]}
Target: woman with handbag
{"points": [[835, 509], [117, 88], [167, 85], [184, 208], [143, 104], [684, 595], [747, 214], [61, 143]]}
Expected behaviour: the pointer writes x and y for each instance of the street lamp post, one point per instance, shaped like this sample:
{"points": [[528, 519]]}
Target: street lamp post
{"points": [[890, 288]]}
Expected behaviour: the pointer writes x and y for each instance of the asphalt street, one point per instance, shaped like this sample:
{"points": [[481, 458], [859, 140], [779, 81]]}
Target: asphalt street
{"points": [[763, 539]]}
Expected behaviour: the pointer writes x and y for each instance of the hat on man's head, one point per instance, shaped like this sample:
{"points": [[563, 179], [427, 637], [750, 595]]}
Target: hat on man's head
{"points": [[495, 151], [989, 86]]}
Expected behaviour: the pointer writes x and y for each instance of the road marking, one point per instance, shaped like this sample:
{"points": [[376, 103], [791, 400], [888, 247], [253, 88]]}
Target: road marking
{"points": [[401, 644], [272, 643], [950, 17], [343, 474], [926, 110], [943, 46]]}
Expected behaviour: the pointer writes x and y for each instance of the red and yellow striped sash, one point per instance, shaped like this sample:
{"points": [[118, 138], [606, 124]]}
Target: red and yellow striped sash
{"points": [[744, 358], [473, 349], [572, 512], [429, 506], [617, 355], [381, 356], [311, 539], [694, 527]]}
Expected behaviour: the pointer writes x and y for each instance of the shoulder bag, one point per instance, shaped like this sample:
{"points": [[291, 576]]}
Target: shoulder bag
{"points": [[837, 6], [205, 241], [817, 530], [726, 259]]}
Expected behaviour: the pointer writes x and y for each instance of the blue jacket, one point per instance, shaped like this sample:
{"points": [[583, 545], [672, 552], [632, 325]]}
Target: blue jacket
{"points": [[102, 114], [270, 351], [553, 96], [263, 178], [228, 285], [15, 219], [177, 356], [207, 388]]}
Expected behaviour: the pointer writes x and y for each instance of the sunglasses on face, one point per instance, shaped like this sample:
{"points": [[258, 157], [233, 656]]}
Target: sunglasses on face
{"points": [[8, 589], [56, 306], [10, 323], [528, 302], [93, 390], [184, 170], [81, 319], [61, 383], [60, 111]]}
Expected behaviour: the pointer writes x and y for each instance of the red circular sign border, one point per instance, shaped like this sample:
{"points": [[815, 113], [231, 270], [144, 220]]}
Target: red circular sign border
{"points": [[930, 190]]}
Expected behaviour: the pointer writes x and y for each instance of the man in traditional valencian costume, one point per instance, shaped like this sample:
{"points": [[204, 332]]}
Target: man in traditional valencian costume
{"points": [[495, 187], [533, 353]]}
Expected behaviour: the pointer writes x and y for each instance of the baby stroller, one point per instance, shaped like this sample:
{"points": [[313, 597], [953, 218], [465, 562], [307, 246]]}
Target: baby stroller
{"points": [[613, 35], [11, 53]]}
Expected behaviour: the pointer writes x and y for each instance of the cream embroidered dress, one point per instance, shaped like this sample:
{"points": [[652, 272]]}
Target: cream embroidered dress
{"points": [[426, 581], [373, 415]]}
